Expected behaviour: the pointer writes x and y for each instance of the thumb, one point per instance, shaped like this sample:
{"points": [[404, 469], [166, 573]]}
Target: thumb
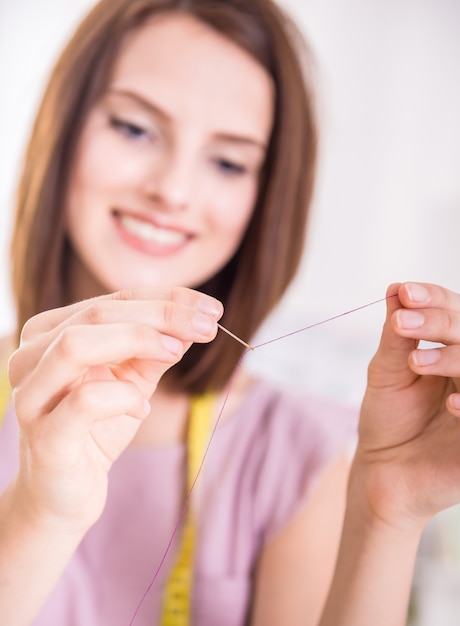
{"points": [[389, 367]]}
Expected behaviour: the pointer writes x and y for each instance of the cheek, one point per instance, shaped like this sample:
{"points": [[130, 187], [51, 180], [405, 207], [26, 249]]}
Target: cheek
{"points": [[102, 164], [234, 207]]}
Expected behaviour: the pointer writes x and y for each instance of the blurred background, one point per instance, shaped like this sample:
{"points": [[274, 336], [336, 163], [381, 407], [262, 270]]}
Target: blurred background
{"points": [[386, 207]]}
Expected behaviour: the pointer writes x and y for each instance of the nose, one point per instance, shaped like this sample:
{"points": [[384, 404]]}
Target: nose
{"points": [[170, 186]]}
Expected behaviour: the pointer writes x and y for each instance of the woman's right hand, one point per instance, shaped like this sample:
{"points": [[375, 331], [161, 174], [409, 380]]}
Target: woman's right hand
{"points": [[82, 379]]}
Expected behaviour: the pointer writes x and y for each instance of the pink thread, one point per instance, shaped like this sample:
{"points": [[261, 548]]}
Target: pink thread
{"points": [[230, 384], [329, 319], [189, 494]]}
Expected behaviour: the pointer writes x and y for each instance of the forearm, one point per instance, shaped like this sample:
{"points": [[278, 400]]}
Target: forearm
{"points": [[32, 558], [373, 574]]}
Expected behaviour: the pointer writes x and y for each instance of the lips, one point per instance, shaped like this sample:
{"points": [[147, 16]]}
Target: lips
{"points": [[149, 236]]}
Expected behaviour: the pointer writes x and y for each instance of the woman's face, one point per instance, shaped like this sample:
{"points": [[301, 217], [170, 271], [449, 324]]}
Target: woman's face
{"points": [[167, 168]]}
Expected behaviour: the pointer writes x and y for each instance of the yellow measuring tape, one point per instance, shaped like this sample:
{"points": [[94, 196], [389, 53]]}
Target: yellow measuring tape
{"points": [[5, 389], [178, 592]]}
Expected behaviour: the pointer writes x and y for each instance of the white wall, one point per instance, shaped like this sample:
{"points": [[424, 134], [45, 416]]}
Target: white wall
{"points": [[387, 205]]}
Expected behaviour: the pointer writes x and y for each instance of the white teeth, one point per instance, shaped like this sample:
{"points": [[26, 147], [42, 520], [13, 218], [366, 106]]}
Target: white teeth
{"points": [[151, 233]]}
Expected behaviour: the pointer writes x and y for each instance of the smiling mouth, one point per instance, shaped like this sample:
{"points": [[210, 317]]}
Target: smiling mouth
{"points": [[150, 233]]}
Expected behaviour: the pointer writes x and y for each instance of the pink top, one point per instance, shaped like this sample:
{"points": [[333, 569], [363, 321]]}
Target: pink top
{"points": [[261, 465]]}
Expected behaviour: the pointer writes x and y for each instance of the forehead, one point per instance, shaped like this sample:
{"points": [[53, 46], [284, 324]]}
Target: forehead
{"points": [[191, 70]]}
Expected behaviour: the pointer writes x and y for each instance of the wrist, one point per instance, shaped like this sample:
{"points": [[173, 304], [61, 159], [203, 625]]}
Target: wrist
{"points": [[30, 543], [378, 502], [374, 568], [21, 511]]}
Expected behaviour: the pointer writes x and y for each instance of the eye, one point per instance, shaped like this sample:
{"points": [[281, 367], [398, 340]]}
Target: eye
{"points": [[230, 167], [129, 129]]}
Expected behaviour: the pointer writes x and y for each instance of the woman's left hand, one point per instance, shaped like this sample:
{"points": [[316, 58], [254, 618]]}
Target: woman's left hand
{"points": [[408, 457]]}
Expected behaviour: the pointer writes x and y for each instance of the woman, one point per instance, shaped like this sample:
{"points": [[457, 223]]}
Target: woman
{"points": [[175, 146]]}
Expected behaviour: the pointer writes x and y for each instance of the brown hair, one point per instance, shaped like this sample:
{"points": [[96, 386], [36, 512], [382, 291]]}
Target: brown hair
{"points": [[254, 280]]}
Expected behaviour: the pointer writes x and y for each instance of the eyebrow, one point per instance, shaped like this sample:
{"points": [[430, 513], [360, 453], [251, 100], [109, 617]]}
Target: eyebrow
{"points": [[153, 108]]}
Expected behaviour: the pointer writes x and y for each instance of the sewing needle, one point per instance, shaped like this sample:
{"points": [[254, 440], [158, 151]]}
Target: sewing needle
{"points": [[234, 336]]}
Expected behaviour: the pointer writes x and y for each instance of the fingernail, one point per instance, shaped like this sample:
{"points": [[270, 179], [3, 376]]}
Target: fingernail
{"points": [[203, 324], [410, 319], [171, 344], [210, 306], [416, 292], [426, 357]]}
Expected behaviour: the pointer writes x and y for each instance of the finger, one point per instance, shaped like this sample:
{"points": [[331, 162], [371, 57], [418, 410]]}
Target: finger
{"points": [[96, 308], [167, 317], [439, 361], [437, 325], [391, 358], [180, 295], [429, 312], [428, 296], [65, 430], [78, 348]]}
